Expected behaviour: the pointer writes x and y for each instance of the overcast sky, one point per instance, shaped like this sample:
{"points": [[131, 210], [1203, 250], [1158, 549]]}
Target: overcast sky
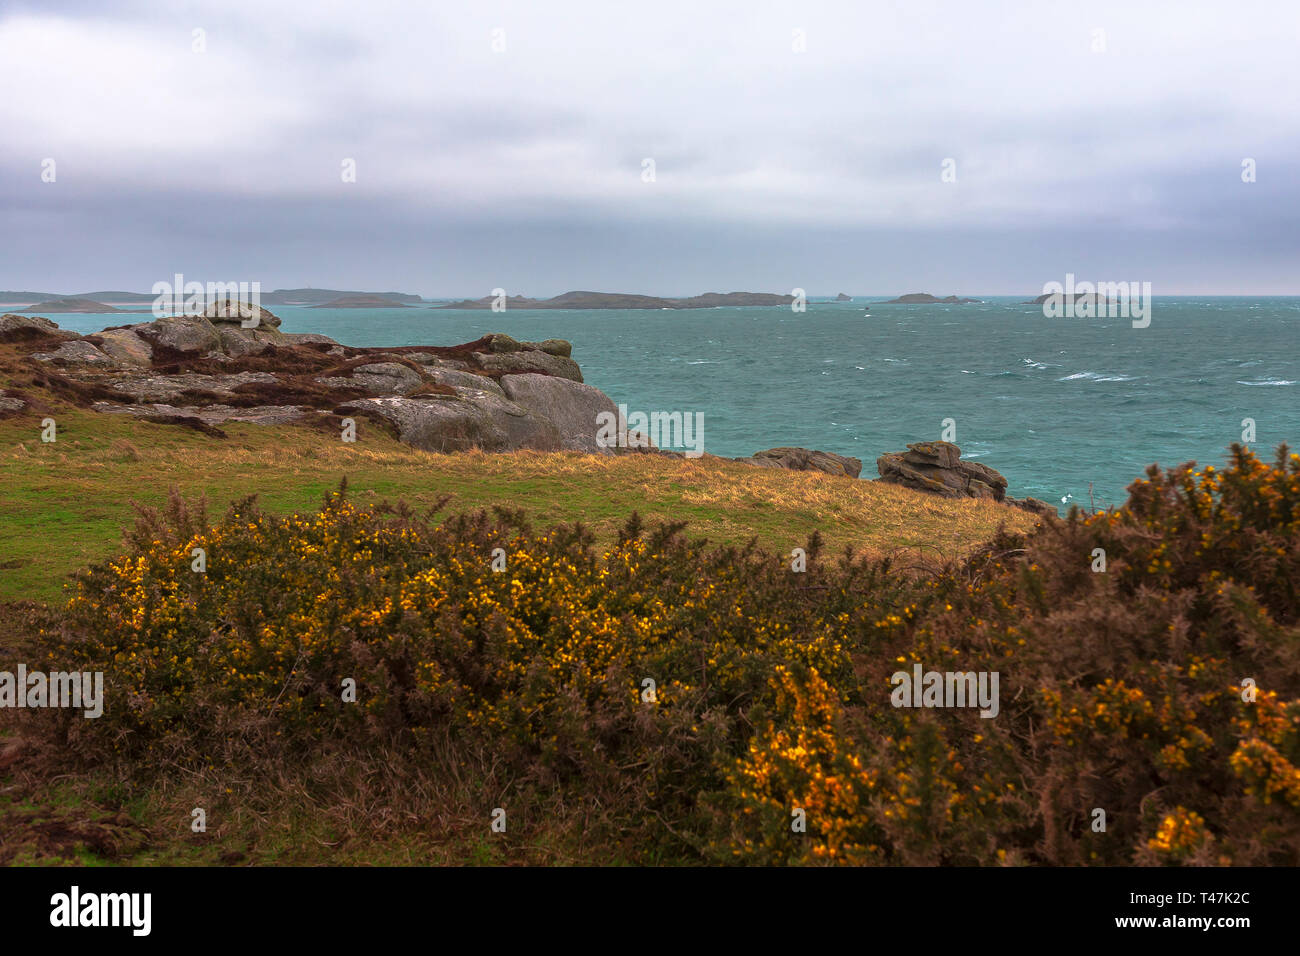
{"points": [[1115, 155]]}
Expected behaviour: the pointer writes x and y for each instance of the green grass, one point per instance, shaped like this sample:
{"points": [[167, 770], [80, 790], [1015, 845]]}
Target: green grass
{"points": [[65, 503]]}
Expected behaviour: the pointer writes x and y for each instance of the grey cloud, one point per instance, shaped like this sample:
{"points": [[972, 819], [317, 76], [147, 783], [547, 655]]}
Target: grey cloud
{"points": [[773, 169]]}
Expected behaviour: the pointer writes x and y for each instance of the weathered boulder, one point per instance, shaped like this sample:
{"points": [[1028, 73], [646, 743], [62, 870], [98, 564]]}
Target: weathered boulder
{"points": [[473, 418], [237, 341], [208, 414], [530, 360], [75, 353], [1034, 506], [554, 347], [125, 347], [804, 459], [307, 338], [942, 454], [500, 342], [229, 311], [185, 333], [437, 361], [164, 388], [937, 467], [14, 327], [458, 378], [572, 406], [984, 481], [379, 378]]}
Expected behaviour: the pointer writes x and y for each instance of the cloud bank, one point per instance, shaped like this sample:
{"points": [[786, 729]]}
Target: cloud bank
{"points": [[973, 148]]}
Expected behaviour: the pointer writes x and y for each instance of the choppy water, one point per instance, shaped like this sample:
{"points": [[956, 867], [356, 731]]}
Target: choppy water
{"points": [[1054, 404]]}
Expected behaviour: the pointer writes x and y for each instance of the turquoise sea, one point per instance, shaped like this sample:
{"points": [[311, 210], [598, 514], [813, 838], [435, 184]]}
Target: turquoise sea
{"points": [[1056, 405]]}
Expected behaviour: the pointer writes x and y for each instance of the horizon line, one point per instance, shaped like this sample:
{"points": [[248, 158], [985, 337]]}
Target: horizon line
{"points": [[675, 295]]}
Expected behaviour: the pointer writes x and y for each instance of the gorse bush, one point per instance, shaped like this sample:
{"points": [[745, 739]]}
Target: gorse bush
{"points": [[545, 662], [1123, 693], [1159, 695]]}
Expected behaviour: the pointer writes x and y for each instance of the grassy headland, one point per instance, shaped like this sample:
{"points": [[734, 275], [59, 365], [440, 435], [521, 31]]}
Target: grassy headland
{"points": [[65, 504]]}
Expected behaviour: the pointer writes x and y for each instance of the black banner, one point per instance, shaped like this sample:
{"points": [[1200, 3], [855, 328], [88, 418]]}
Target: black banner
{"points": [[333, 906]]}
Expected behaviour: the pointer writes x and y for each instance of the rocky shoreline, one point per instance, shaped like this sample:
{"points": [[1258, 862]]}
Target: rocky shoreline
{"points": [[937, 467], [494, 394]]}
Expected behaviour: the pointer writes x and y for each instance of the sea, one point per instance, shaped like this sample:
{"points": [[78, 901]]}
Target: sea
{"points": [[1070, 410]]}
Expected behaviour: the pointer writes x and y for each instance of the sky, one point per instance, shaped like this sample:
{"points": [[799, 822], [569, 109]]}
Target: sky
{"points": [[667, 148]]}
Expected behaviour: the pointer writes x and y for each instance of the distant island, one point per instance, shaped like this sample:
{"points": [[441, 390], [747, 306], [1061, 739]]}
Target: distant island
{"points": [[361, 302], [71, 305], [626, 300], [924, 298], [1080, 298]]}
